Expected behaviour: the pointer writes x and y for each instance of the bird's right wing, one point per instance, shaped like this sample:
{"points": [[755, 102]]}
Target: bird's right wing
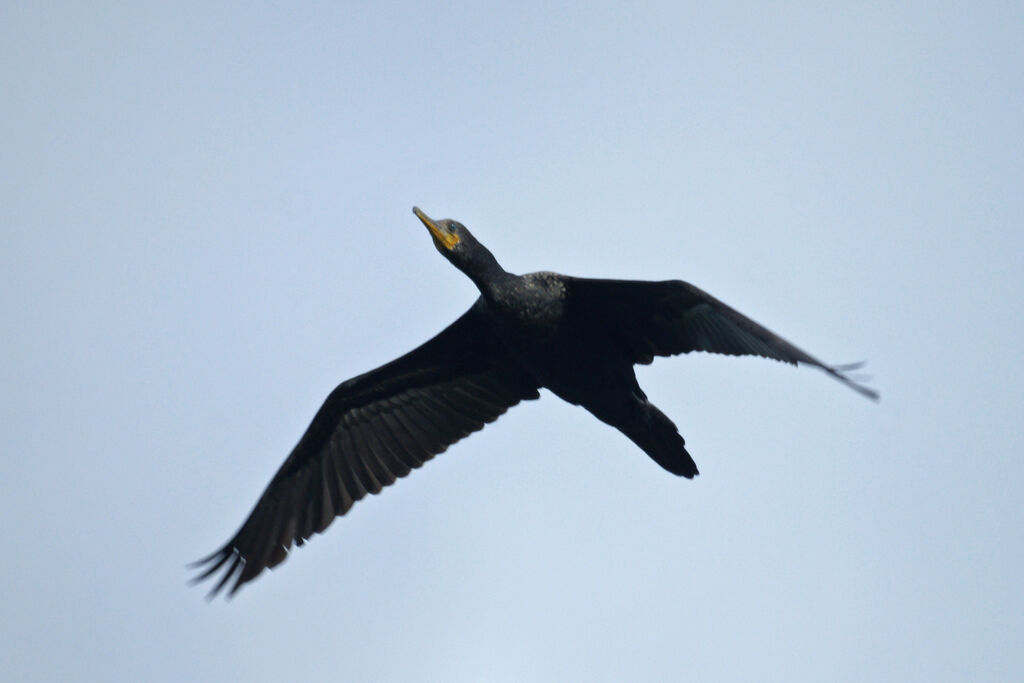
{"points": [[671, 317], [371, 430]]}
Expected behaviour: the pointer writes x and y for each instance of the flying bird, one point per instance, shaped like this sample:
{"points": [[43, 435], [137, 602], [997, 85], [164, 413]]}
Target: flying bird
{"points": [[577, 337]]}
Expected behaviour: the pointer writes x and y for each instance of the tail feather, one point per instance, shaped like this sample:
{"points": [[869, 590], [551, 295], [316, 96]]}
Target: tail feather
{"points": [[658, 437]]}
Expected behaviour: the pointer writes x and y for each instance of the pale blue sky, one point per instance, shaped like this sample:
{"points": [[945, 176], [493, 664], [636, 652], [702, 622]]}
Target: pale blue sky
{"points": [[205, 223]]}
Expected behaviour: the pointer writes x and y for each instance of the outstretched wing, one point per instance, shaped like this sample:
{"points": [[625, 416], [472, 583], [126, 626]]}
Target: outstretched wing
{"points": [[671, 317], [370, 431]]}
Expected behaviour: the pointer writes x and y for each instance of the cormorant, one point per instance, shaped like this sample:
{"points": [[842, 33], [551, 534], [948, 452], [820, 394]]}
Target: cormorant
{"points": [[579, 338]]}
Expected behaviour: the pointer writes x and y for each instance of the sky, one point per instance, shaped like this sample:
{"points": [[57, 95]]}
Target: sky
{"points": [[205, 226]]}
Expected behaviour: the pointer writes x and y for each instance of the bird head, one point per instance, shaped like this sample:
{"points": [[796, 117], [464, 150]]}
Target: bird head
{"points": [[450, 237]]}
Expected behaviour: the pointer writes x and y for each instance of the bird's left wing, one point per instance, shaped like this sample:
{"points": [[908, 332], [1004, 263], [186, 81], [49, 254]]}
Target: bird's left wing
{"points": [[670, 317], [370, 431]]}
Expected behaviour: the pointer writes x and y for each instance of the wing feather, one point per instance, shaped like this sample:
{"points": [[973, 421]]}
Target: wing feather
{"points": [[370, 431], [667, 318]]}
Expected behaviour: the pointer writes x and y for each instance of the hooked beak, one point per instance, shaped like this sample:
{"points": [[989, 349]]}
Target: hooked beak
{"points": [[441, 237]]}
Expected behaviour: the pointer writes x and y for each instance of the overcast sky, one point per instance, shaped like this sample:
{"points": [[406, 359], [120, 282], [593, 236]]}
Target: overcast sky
{"points": [[205, 226]]}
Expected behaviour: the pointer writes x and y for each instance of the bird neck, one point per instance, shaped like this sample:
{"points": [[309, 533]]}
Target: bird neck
{"points": [[486, 273]]}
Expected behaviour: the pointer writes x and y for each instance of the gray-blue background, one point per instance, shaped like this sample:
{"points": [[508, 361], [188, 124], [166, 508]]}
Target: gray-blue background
{"points": [[204, 213]]}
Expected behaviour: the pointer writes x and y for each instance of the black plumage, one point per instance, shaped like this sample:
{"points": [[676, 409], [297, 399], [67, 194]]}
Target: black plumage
{"points": [[579, 338]]}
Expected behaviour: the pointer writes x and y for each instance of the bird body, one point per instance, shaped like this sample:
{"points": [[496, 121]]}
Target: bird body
{"points": [[580, 338], [576, 356]]}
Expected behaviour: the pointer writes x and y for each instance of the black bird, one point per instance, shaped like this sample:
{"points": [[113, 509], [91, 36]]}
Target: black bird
{"points": [[579, 338]]}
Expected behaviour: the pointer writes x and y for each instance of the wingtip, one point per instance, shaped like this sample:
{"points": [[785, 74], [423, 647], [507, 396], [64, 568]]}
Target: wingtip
{"points": [[867, 392], [213, 563], [195, 564], [839, 372]]}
